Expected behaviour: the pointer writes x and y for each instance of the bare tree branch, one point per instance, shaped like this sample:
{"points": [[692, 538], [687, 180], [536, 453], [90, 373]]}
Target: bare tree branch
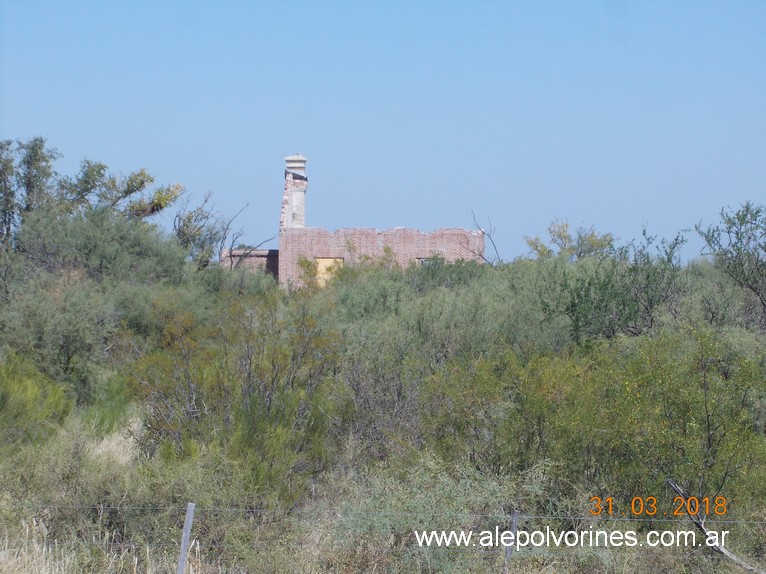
{"points": [[489, 235], [699, 521]]}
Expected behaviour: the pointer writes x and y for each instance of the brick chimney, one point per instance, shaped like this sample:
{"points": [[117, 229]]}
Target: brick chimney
{"points": [[294, 198]]}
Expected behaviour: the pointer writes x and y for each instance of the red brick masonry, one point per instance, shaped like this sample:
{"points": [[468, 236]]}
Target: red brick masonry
{"points": [[298, 242], [263, 260], [356, 244]]}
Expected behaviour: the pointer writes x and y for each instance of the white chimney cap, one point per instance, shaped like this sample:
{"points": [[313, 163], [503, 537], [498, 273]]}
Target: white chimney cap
{"points": [[296, 163]]}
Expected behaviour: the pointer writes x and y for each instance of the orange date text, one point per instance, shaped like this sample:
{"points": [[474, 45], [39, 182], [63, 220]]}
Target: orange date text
{"points": [[648, 506]]}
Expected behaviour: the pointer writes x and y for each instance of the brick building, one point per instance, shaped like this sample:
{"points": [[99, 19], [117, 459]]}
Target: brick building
{"points": [[332, 249]]}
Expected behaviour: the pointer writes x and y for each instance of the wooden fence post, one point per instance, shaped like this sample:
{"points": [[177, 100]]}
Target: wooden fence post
{"points": [[509, 549], [185, 538]]}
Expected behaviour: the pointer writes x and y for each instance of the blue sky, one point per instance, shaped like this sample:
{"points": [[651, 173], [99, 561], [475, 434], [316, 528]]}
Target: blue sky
{"points": [[610, 114]]}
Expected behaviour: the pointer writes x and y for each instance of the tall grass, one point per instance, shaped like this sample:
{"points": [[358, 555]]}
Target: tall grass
{"points": [[33, 553]]}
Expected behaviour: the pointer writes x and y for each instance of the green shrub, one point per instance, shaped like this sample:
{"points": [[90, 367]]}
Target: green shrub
{"points": [[31, 405]]}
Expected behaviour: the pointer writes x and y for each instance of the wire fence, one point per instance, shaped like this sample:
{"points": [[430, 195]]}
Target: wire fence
{"points": [[29, 536], [45, 512], [286, 512]]}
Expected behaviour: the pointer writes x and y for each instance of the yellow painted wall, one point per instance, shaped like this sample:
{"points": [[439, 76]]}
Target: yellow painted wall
{"points": [[326, 267]]}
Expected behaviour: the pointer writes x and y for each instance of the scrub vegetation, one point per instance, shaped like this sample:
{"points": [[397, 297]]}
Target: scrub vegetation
{"points": [[316, 428]]}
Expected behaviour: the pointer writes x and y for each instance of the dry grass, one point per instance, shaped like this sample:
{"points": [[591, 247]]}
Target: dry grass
{"points": [[116, 448], [31, 553]]}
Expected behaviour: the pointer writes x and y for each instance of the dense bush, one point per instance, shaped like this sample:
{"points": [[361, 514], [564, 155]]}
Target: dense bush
{"points": [[317, 427]]}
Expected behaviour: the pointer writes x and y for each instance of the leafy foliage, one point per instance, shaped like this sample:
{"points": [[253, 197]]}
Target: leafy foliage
{"points": [[586, 242], [627, 292], [31, 405], [201, 232], [137, 376], [738, 246], [95, 187]]}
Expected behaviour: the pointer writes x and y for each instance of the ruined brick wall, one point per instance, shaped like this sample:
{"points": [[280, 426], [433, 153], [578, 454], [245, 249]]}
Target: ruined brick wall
{"points": [[298, 242], [354, 245], [263, 260]]}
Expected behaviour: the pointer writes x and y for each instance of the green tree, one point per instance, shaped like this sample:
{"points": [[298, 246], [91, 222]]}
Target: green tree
{"points": [[8, 201], [652, 280], [26, 182], [624, 292], [738, 247], [257, 386], [95, 187], [66, 324], [689, 398], [585, 242], [201, 231], [104, 244], [592, 298], [688, 406], [35, 175], [29, 183]]}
